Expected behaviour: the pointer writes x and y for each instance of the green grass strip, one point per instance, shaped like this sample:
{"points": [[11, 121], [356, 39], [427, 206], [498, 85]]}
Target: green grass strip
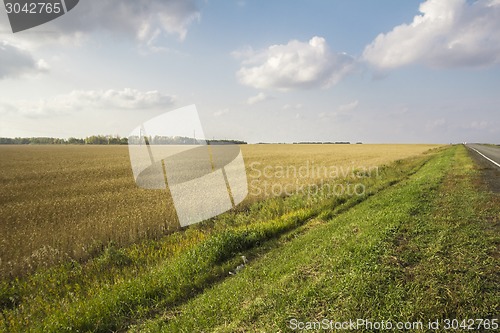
{"points": [[422, 250], [109, 306]]}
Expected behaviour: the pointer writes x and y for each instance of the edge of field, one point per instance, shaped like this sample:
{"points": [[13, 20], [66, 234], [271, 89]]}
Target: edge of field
{"points": [[424, 249], [137, 281], [132, 282]]}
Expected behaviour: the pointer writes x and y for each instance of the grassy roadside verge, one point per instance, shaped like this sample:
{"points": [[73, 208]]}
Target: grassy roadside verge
{"points": [[137, 281], [425, 249]]}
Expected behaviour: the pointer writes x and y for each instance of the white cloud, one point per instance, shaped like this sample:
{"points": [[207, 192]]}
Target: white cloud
{"points": [[140, 20], [124, 99], [296, 65], [260, 97], [15, 61], [452, 33], [348, 107], [127, 98]]}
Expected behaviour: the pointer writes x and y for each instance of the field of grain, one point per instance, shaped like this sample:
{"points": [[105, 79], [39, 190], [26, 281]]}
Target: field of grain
{"points": [[276, 166], [307, 255], [62, 202]]}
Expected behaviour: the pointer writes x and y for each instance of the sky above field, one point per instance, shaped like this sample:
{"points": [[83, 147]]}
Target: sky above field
{"points": [[260, 71]]}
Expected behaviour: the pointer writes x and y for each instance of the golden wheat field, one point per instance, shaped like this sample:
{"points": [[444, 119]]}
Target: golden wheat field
{"points": [[61, 202]]}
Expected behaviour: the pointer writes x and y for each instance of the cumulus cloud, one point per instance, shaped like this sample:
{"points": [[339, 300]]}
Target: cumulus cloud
{"points": [[15, 61], [127, 98], [122, 99], [452, 33], [296, 65], [260, 97], [141, 20]]}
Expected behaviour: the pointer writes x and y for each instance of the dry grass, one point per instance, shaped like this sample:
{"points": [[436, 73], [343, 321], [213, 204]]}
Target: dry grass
{"points": [[60, 202]]}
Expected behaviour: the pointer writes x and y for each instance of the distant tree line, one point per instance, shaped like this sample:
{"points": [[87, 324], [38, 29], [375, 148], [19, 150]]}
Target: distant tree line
{"points": [[163, 140], [180, 140], [324, 143], [112, 140], [226, 142], [90, 140]]}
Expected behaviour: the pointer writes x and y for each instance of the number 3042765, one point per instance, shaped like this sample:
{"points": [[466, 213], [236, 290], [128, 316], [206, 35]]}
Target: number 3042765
{"points": [[33, 8]]}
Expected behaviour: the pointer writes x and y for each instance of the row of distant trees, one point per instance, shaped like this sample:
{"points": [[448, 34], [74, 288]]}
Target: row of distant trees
{"points": [[180, 140], [90, 140], [324, 143], [109, 140]]}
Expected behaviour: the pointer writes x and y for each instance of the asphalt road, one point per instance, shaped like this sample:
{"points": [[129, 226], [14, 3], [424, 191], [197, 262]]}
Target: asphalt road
{"points": [[488, 163], [490, 153]]}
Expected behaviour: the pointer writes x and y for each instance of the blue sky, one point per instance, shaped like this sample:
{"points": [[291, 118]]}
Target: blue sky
{"points": [[260, 71]]}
